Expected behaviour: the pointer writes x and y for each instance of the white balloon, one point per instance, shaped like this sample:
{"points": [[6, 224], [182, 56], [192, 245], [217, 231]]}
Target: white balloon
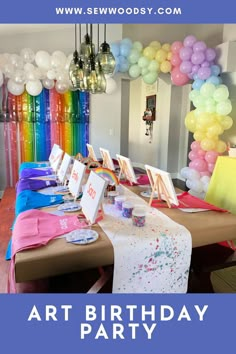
{"points": [[58, 59], [3, 60], [29, 67], [68, 61], [48, 84], [43, 60], [62, 75], [31, 75], [27, 55], [62, 86], [8, 70], [17, 61], [184, 172], [111, 85], [1, 78], [205, 179], [51, 74], [34, 87], [19, 76], [15, 88], [205, 187]]}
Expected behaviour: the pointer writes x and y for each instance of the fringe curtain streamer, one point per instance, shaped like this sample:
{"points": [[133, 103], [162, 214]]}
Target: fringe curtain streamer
{"points": [[33, 124]]}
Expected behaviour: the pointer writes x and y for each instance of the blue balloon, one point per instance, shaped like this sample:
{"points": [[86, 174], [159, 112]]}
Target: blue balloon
{"points": [[124, 49], [197, 84], [215, 70], [115, 49], [127, 41], [215, 80], [195, 77], [124, 65]]}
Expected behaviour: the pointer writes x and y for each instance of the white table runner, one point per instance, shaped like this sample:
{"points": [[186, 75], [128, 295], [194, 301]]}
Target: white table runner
{"points": [[150, 259]]}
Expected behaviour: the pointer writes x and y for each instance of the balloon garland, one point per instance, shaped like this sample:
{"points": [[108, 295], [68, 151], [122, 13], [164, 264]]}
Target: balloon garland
{"points": [[187, 61]]}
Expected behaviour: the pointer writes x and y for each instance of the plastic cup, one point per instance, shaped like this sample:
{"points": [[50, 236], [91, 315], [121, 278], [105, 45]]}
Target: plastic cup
{"points": [[127, 209], [139, 216], [119, 200]]}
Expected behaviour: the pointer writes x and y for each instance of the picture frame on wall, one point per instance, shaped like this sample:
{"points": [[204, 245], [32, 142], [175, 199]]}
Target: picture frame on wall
{"points": [[150, 111]]}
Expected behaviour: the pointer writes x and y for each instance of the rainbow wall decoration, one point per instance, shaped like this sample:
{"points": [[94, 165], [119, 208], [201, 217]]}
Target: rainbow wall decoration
{"points": [[32, 124]]}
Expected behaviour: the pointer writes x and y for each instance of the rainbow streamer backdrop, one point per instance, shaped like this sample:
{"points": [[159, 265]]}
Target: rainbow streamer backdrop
{"points": [[33, 124]]}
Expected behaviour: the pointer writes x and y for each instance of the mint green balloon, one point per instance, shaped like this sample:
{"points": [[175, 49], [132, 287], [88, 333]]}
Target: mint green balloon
{"points": [[150, 78], [221, 94], [210, 108], [153, 66], [207, 90], [143, 62], [134, 71], [137, 45], [133, 56], [193, 94], [224, 108], [144, 71], [199, 101]]}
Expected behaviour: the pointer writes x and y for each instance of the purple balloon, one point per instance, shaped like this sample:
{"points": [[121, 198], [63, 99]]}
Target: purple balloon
{"points": [[205, 64], [185, 53], [190, 75], [210, 54], [199, 46], [204, 73], [198, 58], [195, 69], [186, 67], [189, 41]]}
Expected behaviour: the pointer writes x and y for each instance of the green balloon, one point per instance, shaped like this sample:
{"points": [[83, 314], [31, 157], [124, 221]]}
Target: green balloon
{"points": [[221, 94], [193, 94], [153, 66], [150, 78], [144, 71], [134, 56], [207, 90], [138, 45], [134, 71], [199, 101], [224, 108], [143, 62]]}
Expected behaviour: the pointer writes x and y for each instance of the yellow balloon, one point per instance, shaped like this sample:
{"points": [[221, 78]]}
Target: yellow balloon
{"points": [[190, 121], [199, 136], [205, 119], [169, 55], [166, 47], [221, 146], [226, 122], [161, 55], [149, 52], [165, 66], [207, 144], [155, 44]]}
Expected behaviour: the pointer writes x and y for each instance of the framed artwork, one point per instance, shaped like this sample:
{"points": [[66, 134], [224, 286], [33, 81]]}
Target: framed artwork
{"points": [[56, 158], [150, 111], [63, 169], [91, 152]]}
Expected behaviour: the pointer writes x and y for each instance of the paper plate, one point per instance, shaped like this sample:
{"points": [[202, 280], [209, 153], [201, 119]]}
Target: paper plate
{"points": [[69, 207], [147, 194], [68, 198], [82, 237]]}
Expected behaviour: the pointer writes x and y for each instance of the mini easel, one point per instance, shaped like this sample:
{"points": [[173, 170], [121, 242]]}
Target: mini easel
{"points": [[124, 169], [105, 160], [158, 186]]}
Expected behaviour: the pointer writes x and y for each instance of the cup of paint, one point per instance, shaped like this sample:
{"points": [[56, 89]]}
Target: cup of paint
{"points": [[127, 209], [139, 216], [119, 200], [111, 197]]}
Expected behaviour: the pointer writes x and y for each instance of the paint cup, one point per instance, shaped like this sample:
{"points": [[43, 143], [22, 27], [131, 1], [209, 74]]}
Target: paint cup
{"points": [[119, 200], [139, 216], [232, 152], [111, 197], [127, 209]]}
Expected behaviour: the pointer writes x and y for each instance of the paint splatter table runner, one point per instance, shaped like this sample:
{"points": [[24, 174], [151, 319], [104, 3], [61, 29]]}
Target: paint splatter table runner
{"points": [[150, 259]]}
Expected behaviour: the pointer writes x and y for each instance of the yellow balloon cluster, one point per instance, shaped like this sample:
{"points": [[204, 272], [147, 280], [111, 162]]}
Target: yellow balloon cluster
{"points": [[207, 127], [161, 54]]}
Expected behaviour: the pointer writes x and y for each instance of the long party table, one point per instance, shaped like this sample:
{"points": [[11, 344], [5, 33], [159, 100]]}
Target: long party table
{"points": [[59, 257]]}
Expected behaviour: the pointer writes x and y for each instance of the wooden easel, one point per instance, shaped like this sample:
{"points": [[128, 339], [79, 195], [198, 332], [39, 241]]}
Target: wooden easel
{"points": [[125, 171], [105, 160], [158, 186]]}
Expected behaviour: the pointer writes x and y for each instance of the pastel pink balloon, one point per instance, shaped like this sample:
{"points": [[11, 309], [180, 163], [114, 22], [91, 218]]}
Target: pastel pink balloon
{"points": [[211, 156], [176, 46], [195, 146], [193, 155], [178, 78], [200, 165], [201, 153], [205, 173], [211, 167], [191, 164], [175, 60]]}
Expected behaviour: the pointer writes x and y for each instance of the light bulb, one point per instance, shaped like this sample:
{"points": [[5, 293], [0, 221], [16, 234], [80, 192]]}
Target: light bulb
{"points": [[87, 48], [101, 80], [73, 70]]}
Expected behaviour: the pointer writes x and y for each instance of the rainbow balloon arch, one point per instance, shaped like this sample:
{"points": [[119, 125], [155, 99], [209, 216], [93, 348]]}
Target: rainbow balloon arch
{"points": [[41, 76]]}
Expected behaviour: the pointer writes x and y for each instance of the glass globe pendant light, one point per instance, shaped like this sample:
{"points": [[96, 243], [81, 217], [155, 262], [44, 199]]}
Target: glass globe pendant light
{"points": [[74, 68], [106, 57]]}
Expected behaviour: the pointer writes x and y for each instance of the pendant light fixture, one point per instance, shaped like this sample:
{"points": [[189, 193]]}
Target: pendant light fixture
{"points": [[86, 71], [106, 57]]}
